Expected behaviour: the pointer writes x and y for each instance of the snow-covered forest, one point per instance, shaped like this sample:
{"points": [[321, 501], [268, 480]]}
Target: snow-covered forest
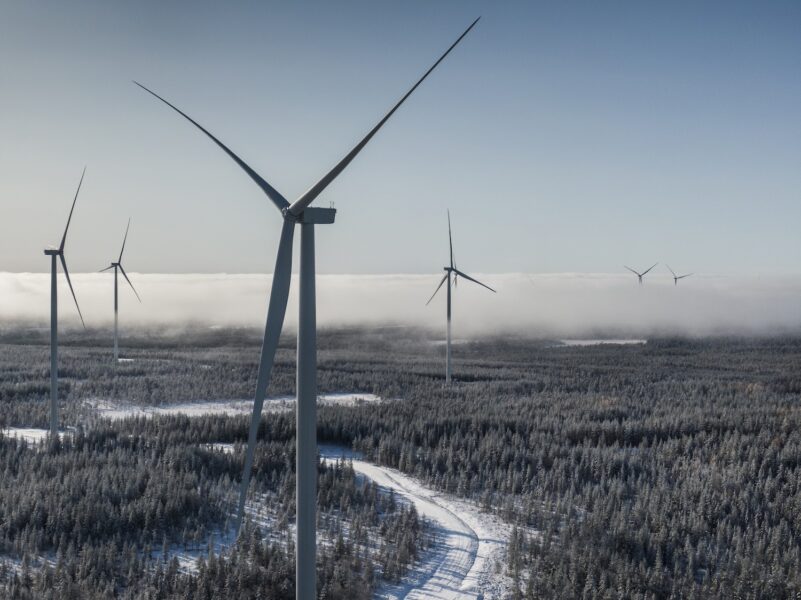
{"points": [[669, 469]]}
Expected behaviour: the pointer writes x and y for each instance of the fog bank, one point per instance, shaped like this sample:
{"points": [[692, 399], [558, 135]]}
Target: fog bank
{"points": [[565, 304]]}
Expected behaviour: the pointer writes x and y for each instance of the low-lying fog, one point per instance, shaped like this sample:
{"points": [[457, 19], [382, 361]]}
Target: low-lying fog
{"points": [[567, 305]]}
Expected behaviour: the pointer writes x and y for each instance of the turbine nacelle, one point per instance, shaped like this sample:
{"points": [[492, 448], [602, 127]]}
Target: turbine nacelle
{"points": [[311, 215], [53, 252]]}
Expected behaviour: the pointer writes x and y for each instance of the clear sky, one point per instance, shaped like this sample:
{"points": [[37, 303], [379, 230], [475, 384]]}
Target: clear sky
{"points": [[564, 137]]}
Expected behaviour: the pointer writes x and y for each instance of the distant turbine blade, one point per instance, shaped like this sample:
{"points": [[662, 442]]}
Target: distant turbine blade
{"points": [[669, 269], [124, 274], [683, 276], [67, 274], [279, 201], [652, 266], [444, 277], [301, 203], [633, 271], [124, 240], [473, 280], [450, 237], [64, 237], [106, 269], [279, 294]]}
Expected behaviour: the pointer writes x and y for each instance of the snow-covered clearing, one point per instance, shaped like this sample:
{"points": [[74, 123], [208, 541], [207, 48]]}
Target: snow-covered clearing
{"points": [[601, 342], [30, 434], [470, 543], [108, 409]]}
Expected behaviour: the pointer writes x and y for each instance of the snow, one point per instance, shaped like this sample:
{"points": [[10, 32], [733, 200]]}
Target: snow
{"points": [[454, 342], [222, 539], [29, 434], [461, 563], [600, 342], [470, 543], [107, 409]]}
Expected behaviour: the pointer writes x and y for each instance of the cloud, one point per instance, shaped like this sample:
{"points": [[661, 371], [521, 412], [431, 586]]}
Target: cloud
{"points": [[565, 304]]}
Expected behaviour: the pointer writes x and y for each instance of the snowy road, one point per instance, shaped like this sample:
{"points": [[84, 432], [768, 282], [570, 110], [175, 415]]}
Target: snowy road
{"points": [[469, 542]]}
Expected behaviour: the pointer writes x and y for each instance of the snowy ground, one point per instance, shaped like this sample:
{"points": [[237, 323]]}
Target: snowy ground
{"points": [[119, 410], [222, 539], [466, 561], [599, 342], [28, 434], [470, 543]]}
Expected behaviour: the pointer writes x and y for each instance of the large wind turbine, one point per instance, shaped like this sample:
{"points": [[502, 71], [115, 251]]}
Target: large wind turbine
{"points": [[677, 277], [298, 213], [451, 269], [55, 255], [641, 275], [117, 266]]}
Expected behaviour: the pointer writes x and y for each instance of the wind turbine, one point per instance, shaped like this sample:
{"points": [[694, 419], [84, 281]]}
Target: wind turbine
{"points": [[55, 255], [677, 277], [117, 266], [641, 275], [451, 269], [298, 213]]}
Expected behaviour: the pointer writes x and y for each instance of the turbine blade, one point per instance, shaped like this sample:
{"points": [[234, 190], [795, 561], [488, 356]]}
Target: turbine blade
{"points": [[669, 269], [64, 237], [687, 275], [450, 237], [279, 294], [106, 269], [444, 277], [473, 280], [301, 203], [124, 240], [633, 271], [279, 201], [67, 274], [124, 274], [652, 266]]}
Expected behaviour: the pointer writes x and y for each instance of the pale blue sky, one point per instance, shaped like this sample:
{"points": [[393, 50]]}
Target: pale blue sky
{"points": [[563, 137]]}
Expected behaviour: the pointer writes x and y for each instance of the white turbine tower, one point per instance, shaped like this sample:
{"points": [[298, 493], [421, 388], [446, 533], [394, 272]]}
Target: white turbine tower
{"points": [[117, 266], [641, 275], [298, 213], [451, 269], [55, 255], [677, 277]]}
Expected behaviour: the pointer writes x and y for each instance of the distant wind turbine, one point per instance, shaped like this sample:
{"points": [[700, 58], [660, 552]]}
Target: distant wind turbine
{"points": [[298, 213], [641, 275], [118, 266], [55, 255], [451, 269], [677, 277]]}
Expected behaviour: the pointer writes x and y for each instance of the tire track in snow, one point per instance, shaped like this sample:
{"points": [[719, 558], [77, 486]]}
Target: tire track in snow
{"points": [[468, 542]]}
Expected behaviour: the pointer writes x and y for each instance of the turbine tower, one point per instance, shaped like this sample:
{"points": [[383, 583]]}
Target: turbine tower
{"points": [[55, 255], [117, 266], [641, 275], [451, 269], [298, 213], [677, 277]]}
